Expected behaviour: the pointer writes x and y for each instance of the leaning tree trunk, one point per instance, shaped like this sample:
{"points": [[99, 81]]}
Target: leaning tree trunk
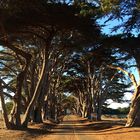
{"points": [[40, 82], [29, 109], [134, 113], [38, 111], [18, 96]]}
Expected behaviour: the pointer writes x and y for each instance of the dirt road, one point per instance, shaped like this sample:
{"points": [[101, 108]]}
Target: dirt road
{"points": [[70, 129], [75, 128]]}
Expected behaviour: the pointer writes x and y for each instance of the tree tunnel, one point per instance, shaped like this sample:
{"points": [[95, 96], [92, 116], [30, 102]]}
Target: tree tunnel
{"points": [[48, 48]]}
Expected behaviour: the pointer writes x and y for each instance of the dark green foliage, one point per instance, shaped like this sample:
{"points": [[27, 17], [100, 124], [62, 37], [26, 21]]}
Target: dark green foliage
{"points": [[118, 111]]}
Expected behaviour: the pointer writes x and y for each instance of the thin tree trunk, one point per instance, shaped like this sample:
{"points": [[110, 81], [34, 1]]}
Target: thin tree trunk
{"points": [[99, 109], [84, 111]]}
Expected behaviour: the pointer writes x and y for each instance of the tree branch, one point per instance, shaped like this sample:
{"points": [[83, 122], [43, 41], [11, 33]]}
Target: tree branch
{"points": [[131, 76]]}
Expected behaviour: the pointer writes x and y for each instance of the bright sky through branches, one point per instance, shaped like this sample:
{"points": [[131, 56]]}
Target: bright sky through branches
{"points": [[107, 28]]}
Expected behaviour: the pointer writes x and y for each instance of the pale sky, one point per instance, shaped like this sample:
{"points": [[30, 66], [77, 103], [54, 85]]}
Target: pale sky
{"points": [[116, 105]]}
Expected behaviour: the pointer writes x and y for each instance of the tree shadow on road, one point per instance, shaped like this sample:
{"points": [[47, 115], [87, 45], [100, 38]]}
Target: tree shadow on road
{"points": [[40, 129], [70, 127], [80, 127]]}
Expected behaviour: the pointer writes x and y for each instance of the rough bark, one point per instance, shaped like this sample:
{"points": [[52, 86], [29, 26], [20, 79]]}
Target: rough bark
{"points": [[134, 113]]}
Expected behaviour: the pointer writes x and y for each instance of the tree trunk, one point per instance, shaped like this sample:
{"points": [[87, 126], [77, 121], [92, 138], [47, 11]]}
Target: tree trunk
{"points": [[83, 110], [17, 97], [52, 107], [99, 105], [99, 112], [45, 110], [4, 111], [134, 113], [89, 109], [29, 109], [37, 115], [38, 118], [40, 82]]}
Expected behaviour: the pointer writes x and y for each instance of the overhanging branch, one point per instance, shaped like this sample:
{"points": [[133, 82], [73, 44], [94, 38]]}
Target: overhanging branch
{"points": [[131, 76]]}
